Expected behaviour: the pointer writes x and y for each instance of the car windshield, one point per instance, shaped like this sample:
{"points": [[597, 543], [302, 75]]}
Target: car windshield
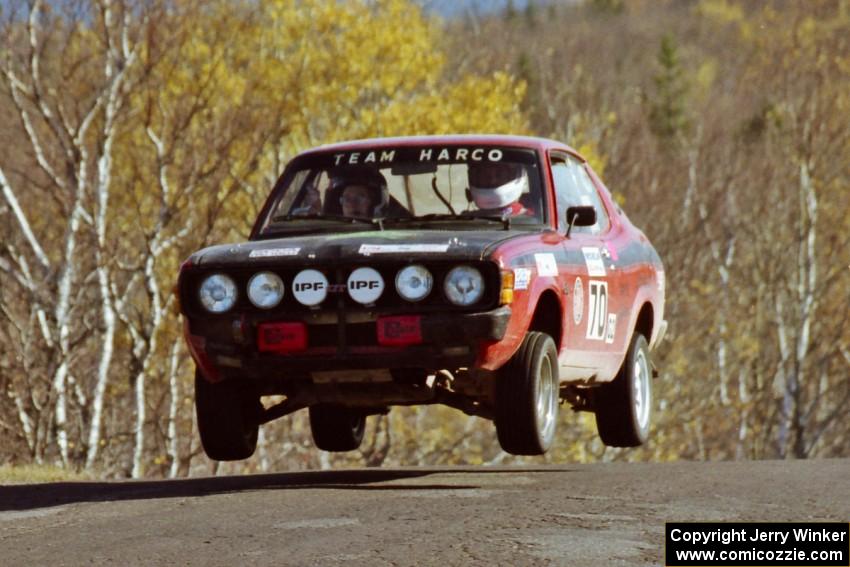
{"points": [[466, 185]]}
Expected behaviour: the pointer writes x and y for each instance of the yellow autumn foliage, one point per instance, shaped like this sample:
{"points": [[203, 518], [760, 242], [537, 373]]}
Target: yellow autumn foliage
{"points": [[253, 84]]}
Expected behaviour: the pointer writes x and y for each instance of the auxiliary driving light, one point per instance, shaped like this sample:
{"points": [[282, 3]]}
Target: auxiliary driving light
{"points": [[365, 285], [414, 283], [265, 290], [310, 287], [217, 293], [464, 285]]}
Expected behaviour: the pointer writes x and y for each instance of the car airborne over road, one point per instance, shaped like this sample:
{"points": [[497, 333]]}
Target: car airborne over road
{"points": [[493, 274]]}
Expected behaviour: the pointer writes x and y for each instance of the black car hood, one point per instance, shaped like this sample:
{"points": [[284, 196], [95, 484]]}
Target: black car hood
{"points": [[350, 246]]}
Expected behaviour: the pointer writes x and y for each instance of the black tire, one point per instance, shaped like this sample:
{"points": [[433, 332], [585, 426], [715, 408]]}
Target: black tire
{"points": [[336, 428], [527, 397], [227, 419], [624, 406]]}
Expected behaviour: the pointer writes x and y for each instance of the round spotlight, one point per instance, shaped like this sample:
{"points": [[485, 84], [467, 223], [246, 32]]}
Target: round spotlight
{"points": [[464, 285], [365, 285], [265, 290], [217, 293], [310, 287], [414, 282]]}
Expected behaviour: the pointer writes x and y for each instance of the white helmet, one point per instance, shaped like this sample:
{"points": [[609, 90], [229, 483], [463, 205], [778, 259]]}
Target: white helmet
{"points": [[496, 185]]}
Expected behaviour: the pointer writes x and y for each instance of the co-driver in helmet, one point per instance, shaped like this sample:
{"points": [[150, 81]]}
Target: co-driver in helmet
{"points": [[495, 187]]}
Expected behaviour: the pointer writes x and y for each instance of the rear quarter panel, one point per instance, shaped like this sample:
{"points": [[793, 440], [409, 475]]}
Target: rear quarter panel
{"points": [[642, 279]]}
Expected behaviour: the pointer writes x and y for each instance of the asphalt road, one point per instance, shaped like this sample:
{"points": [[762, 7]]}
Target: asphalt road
{"points": [[606, 514]]}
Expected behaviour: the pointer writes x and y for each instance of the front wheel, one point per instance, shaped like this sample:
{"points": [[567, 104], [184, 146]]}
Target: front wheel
{"points": [[527, 397], [336, 428], [623, 405], [227, 419]]}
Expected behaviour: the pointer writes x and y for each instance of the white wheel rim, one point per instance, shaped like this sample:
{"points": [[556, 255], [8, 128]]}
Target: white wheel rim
{"points": [[642, 390], [547, 400]]}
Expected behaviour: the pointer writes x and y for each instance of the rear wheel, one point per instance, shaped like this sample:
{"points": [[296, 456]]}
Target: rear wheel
{"points": [[527, 397], [227, 419], [623, 406], [336, 428]]}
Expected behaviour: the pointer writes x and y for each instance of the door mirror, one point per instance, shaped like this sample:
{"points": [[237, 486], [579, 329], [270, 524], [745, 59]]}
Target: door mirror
{"points": [[580, 216]]}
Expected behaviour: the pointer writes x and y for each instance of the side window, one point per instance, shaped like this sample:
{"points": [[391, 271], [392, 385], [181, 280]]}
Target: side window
{"points": [[574, 187], [588, 195], [563, 194]]}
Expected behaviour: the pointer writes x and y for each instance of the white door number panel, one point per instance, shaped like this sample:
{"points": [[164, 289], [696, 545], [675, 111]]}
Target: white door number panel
{"points": [[597, 310]]}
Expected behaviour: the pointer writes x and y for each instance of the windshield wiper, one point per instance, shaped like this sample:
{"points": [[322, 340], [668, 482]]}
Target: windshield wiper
{"points": [[505, 220], [322, 216]]}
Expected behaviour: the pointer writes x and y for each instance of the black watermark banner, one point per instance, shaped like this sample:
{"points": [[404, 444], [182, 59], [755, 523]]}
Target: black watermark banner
{"points": [[742, 544]]}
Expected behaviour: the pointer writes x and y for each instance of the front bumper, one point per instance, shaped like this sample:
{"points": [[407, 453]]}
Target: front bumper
{"points": [[228, 349]]}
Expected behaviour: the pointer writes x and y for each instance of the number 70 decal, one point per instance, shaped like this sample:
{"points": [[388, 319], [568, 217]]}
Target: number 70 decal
{"points": [[597, 310]]}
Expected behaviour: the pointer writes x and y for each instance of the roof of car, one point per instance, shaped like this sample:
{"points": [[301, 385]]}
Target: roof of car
{"points": [[453, 139]]}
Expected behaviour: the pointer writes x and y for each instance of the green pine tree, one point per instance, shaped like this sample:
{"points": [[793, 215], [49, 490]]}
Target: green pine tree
{"points": [[510, 11], [668, 112], [530, 14]]}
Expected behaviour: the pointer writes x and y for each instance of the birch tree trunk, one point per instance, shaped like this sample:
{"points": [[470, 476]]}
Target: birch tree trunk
{"points": [[119, 61], [65, 141], [173, 409], [806, 285]]}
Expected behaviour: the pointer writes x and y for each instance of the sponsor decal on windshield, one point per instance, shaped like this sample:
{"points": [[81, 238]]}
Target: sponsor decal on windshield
{"points": [[425, 154], [356, 158]]}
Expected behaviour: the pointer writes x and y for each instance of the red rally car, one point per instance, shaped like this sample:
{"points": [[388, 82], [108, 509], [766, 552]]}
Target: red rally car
{"points": [[492, 274]]}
